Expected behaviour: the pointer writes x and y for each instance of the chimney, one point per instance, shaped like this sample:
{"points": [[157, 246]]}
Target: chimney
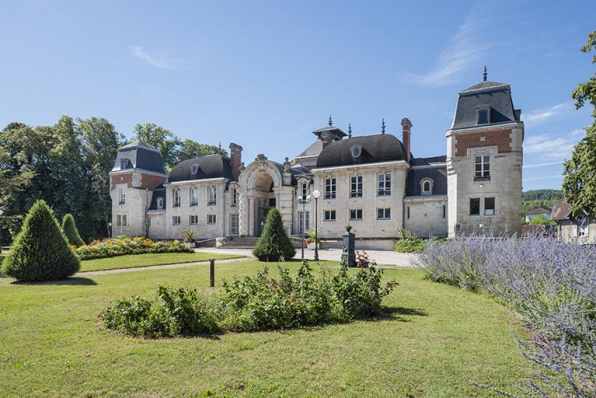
{"points": [[236, 159], [406, 131], [181, 156]]}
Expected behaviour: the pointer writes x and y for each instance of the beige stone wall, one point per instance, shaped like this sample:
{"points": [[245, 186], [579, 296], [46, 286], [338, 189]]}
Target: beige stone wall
{"points": [[134, 209], [568, 232], [428, 216], [369, 226]]}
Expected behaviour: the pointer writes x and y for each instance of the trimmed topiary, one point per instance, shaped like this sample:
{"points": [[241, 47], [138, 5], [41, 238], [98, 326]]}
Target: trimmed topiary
{"points": [[274, 243], [70, 230], [40, 251]]}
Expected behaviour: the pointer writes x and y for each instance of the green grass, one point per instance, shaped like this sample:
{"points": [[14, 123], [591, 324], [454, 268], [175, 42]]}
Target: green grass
{"points": [[146, 260], [435, 342]]}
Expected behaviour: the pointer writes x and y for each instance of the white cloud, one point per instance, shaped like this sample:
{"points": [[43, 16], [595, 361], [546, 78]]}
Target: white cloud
{"points": [[162, 62], [542, 115], [531, 166], [543, 178], [547, 146], [463, 51]]}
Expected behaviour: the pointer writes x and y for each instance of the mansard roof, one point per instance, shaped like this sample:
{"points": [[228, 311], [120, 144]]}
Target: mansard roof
{"points": [[374, 149], [492, 95], [210, 166], [158, 192], [434, 168], [139, 155]]}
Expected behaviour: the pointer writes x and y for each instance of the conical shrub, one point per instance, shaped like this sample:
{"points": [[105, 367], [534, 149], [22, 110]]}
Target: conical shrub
{"points": [[70, 230], [274, 243], [40, 252]]}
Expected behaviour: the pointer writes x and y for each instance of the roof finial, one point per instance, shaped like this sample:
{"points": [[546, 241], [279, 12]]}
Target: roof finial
{"points": [[330, 121], [485, 73], [383, 127], [220, 152], [350, 130]]}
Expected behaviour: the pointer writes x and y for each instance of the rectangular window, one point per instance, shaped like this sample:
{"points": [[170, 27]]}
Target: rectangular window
{"points": [[212, 196], [330, 188], [303, 222], [118, 220], [444, 211], [194, 197], [193, 220], [210, 218], [329, 215], [582, 230], [475, 207], [175, 220], [124, 220], [483, 117], [122, 196], [482, 168], [177, 197], [355, 214], [384, 184], [384, 214], [304, 192], [489, 206], [234, 196], [408, 211], [356, 187], [234, 225]]}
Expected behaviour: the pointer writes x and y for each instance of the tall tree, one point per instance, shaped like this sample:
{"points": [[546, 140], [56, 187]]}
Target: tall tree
{"points": [[193, 148], [579, 185], [161, 139]]}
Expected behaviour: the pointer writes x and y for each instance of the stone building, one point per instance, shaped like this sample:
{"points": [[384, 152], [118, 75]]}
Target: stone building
{"points": [[372, 182]]}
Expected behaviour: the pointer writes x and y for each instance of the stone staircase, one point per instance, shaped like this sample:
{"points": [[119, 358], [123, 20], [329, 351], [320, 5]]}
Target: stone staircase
{"points": [[240, 243]]}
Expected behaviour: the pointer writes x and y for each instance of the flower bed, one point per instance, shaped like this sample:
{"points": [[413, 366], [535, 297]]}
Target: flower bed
{"points": [[122, 246]]}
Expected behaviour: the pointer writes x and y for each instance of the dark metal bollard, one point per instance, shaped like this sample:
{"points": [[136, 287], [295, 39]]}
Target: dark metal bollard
{"points": [[212, 272]]}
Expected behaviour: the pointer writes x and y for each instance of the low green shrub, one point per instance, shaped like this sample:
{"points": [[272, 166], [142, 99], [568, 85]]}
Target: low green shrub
{"points": [[408, 242], [176, 312], [121, 246], [255, 303]]}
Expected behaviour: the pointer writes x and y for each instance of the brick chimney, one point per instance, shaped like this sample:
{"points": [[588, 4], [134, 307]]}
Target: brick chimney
{"points": [[406, 131], [236, 159]]}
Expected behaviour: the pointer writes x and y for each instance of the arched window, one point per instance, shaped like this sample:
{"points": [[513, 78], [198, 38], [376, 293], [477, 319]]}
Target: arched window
{"points": [[160, 203], [426, 186]]}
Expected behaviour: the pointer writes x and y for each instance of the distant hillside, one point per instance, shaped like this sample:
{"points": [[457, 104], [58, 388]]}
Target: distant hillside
{"points": [[540, 198]]}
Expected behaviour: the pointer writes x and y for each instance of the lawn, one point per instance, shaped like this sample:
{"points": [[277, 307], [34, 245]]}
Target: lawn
{"points": [[436, 340], [148, 259]]}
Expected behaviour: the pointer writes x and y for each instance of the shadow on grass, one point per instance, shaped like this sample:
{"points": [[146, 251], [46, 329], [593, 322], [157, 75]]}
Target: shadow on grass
{"points": [[70, 281], [397, 314]]}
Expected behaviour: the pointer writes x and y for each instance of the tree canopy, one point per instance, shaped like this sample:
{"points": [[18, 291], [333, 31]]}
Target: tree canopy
{"points": [[579, 185]]}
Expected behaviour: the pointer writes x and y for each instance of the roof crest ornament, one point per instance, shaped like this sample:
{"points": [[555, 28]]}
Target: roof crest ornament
{"points": [[220, 152], [383, 126], [485, 74], [330, 121], [349, 130]]}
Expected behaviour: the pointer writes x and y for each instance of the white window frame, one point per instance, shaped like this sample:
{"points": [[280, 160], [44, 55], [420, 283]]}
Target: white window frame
{"points": [[159, 203], [384, 213], [355, 214], [384, 188], [212, 196], [175, 220], [234, 197], [301, 215], [193, 219], [487, 212], [330, 188], [176, 196], [211, 219], [121, 220], [329, 215], [194, 197], [356, 184], [121, 196], [482, 173]]}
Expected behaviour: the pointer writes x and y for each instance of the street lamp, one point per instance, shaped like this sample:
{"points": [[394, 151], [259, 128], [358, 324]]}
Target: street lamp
{"points": [[304, 201], [316, 195]]}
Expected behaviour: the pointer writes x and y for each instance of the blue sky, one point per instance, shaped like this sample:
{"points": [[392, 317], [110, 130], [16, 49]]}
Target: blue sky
{"points": [[265, 74]]}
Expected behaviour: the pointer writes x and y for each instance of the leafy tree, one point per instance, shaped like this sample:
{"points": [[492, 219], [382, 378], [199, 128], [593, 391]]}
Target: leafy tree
{"points": [[541, 220], [40, 252], [70, 230], [579, 185], [192, 148], [161, 139], [274, 243]]}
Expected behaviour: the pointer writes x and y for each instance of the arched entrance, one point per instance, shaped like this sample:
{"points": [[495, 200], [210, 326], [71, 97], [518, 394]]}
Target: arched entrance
{"points": [[264, 200]]}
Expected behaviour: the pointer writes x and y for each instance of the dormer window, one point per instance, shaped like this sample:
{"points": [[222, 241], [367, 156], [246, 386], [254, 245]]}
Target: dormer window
{"points": [[483, 114], [195, 169], [123, 164], [426, 186], [356, 151], [160, 203]]}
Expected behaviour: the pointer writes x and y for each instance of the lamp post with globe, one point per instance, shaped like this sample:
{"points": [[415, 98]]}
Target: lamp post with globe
{"points": [[316, 193]]}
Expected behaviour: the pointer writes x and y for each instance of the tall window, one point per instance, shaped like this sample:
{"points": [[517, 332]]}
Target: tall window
{"points": [[355, 214], [234, 225], [123, 164], [483, 116], [175, 220], [176, 197], [234, 196], [303, 221], [329, 215], [408, 212], [304, 191], [384, 214], [194, 219], [475, 206], [212, 196], [122, 196], [385, 184], [482, 167], [330, 188], [489, 206], [211, 219], [160, 203], [194, 196], [121, 220], [356, 187], [444, 211]]}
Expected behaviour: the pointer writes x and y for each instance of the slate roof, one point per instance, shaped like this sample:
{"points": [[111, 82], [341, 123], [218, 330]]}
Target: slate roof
{"points": [[158, 191], [210, 166], [436, 173], [313, 150], [495, 95], [139, 156], [375, 149]]}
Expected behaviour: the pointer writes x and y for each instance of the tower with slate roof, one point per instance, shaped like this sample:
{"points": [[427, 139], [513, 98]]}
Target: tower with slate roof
{"points": [[484, 162]]}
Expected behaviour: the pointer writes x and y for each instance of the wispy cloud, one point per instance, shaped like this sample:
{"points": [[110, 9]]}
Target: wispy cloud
{"points": [[543, 178], [531, 166], [161, 62], [542, 115], [464, 50], [550, 147]]}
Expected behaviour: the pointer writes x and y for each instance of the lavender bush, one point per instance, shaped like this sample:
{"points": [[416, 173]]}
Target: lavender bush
{"points": [[550, 284]]}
